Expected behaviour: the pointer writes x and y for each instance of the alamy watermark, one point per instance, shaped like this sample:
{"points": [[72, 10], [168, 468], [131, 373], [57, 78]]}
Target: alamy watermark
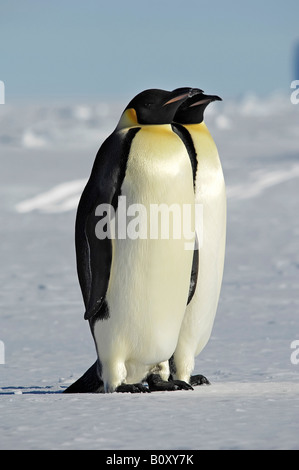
{"points": [[295, 354], [2, 352], [295, 94], [2, 92], [157, 221]]}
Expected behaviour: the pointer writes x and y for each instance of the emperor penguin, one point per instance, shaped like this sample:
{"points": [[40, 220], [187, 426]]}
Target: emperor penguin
{"points": [[135, 289], [208, 264]]}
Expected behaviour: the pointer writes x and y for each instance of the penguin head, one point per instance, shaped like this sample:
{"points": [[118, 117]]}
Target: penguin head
{"points": [[191, 111], [154, 106]]}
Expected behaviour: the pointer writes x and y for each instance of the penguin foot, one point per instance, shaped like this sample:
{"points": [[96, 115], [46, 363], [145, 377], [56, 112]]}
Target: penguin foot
{"points": [[132, 388], [157, 384], [182, 385], [199, 380]]}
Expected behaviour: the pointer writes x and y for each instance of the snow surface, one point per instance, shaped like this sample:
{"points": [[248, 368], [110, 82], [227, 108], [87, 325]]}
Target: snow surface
{"points": [[253, 402]]}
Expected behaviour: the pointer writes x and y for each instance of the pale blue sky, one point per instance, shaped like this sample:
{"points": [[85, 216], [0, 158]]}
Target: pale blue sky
{"points": [[104, 49]]}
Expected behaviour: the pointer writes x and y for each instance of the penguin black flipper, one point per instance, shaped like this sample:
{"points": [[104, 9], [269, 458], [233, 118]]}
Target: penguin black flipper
{"points": [[194, 271], [90, 382], [94, 252], [89, 247]]}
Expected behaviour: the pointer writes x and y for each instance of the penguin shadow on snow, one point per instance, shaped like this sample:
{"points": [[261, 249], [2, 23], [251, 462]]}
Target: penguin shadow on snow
{"points": [[47, 390]]}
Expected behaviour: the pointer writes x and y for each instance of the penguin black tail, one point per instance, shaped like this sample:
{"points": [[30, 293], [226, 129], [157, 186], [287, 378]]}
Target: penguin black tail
{"points": [[90, 382]]}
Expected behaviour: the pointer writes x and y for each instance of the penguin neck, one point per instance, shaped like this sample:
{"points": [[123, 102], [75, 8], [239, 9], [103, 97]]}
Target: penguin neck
{"points": [[129, 119]]}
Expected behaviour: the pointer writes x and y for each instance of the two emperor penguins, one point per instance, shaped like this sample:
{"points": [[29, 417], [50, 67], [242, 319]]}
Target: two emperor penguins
{"points": [[151, 302]]}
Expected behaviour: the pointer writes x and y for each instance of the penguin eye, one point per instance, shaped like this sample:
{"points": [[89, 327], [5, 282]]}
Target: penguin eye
{"points": [[148, 105]]}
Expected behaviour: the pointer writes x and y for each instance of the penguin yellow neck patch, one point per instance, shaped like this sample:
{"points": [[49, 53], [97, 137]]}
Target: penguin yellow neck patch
{"points": [[128, 119], [195, 127]]}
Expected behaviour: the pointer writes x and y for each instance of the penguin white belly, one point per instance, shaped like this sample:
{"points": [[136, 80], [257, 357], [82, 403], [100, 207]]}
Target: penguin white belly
{"points": [[200, 312], [149, 279]]}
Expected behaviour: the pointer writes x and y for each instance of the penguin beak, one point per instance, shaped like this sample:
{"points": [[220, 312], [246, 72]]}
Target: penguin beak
{"points": [[177, 98], [183, 94], [206, 99]]}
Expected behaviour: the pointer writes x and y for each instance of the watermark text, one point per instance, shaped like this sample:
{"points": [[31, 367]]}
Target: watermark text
{"points": [[295, 354], [152, 459], [156, 221], [295, 94]]}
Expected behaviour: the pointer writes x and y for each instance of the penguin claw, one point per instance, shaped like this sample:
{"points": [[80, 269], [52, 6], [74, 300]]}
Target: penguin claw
{"points": [[132, 388], [182, 385], [199, 380]]}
